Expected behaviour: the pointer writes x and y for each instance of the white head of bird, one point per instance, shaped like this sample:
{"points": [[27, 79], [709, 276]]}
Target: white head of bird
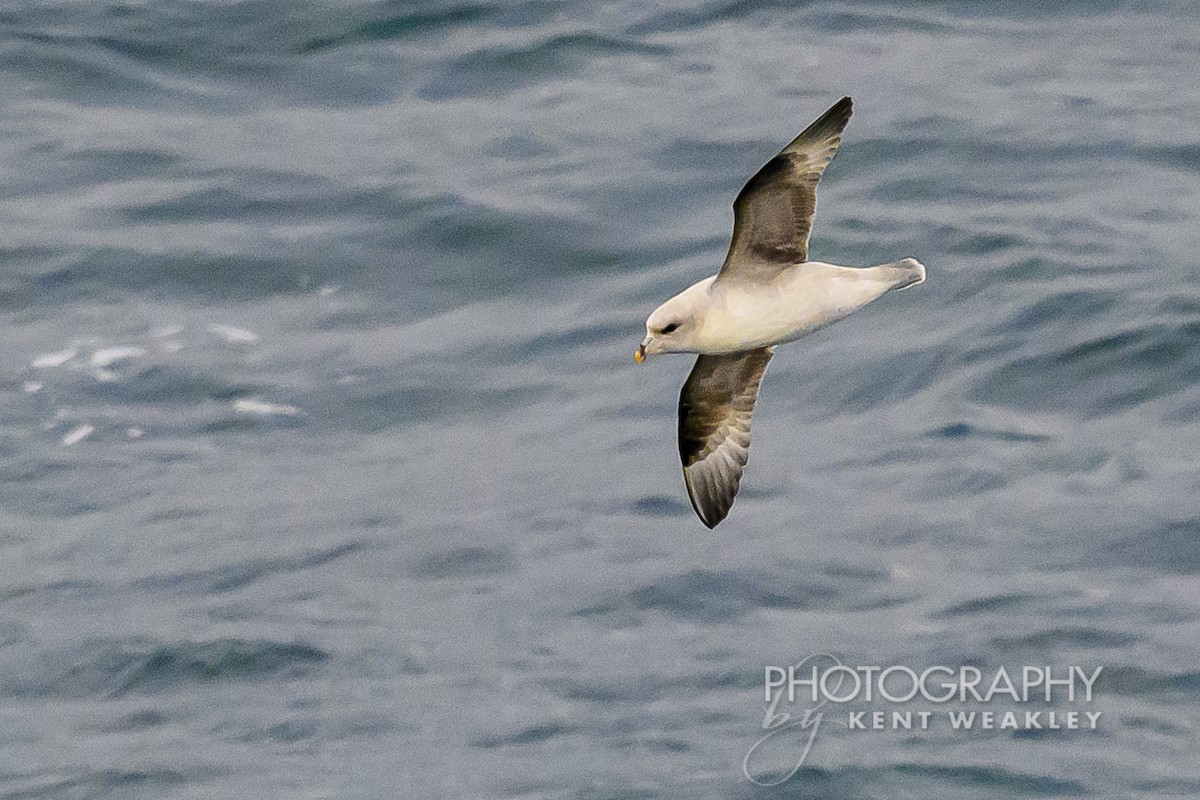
{"points": [[675, 326]]}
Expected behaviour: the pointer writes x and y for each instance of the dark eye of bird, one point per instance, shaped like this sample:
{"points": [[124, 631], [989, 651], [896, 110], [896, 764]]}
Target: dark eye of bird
{"points": [[670, 328]]}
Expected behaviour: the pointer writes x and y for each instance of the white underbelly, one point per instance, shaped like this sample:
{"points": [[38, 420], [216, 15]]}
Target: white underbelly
{"points": [[804, 299]]}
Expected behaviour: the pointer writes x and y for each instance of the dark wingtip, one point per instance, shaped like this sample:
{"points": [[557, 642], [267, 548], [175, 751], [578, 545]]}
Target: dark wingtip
{"points": [[833, 121], [710, 524], [697, 506], [843, 107]]}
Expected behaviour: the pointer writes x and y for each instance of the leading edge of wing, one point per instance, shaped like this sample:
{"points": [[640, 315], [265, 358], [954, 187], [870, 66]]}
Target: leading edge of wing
{"points": [[773, 213], [715, 409]]}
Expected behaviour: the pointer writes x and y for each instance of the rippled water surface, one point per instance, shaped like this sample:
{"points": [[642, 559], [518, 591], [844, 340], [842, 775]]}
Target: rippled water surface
{"points": [[326, 472]]}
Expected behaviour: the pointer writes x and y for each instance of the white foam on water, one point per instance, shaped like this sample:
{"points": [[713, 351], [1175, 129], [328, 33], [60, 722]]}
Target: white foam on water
{"points": [[264, 409], [77, 434], [55, 359], [107, 356], [232, 334]]}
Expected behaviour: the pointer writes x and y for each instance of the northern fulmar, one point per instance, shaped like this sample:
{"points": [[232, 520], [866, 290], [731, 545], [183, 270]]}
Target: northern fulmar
{"points": [[766, 293]]}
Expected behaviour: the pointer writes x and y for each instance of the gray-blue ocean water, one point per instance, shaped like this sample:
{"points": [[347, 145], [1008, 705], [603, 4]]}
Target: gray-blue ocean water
{"points": [[326, 471]]}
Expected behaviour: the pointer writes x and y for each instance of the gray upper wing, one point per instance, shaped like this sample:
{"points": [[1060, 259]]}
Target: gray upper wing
{"points": [[714, 427], [772, 215]]}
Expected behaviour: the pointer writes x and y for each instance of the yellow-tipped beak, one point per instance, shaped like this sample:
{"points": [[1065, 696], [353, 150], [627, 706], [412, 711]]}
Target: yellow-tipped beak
{"points": [[640, 355]]}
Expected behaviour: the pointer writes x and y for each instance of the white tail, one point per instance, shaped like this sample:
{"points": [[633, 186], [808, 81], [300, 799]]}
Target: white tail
{"points": [[907, 272]]}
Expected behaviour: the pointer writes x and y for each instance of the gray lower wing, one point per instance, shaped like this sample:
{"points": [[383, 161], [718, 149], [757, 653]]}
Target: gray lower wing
{"points": [[715, 406]]}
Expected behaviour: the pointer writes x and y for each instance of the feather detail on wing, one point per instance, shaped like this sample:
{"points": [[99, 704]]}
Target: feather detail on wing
{"points": [[714, 427], [772, 215]]}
